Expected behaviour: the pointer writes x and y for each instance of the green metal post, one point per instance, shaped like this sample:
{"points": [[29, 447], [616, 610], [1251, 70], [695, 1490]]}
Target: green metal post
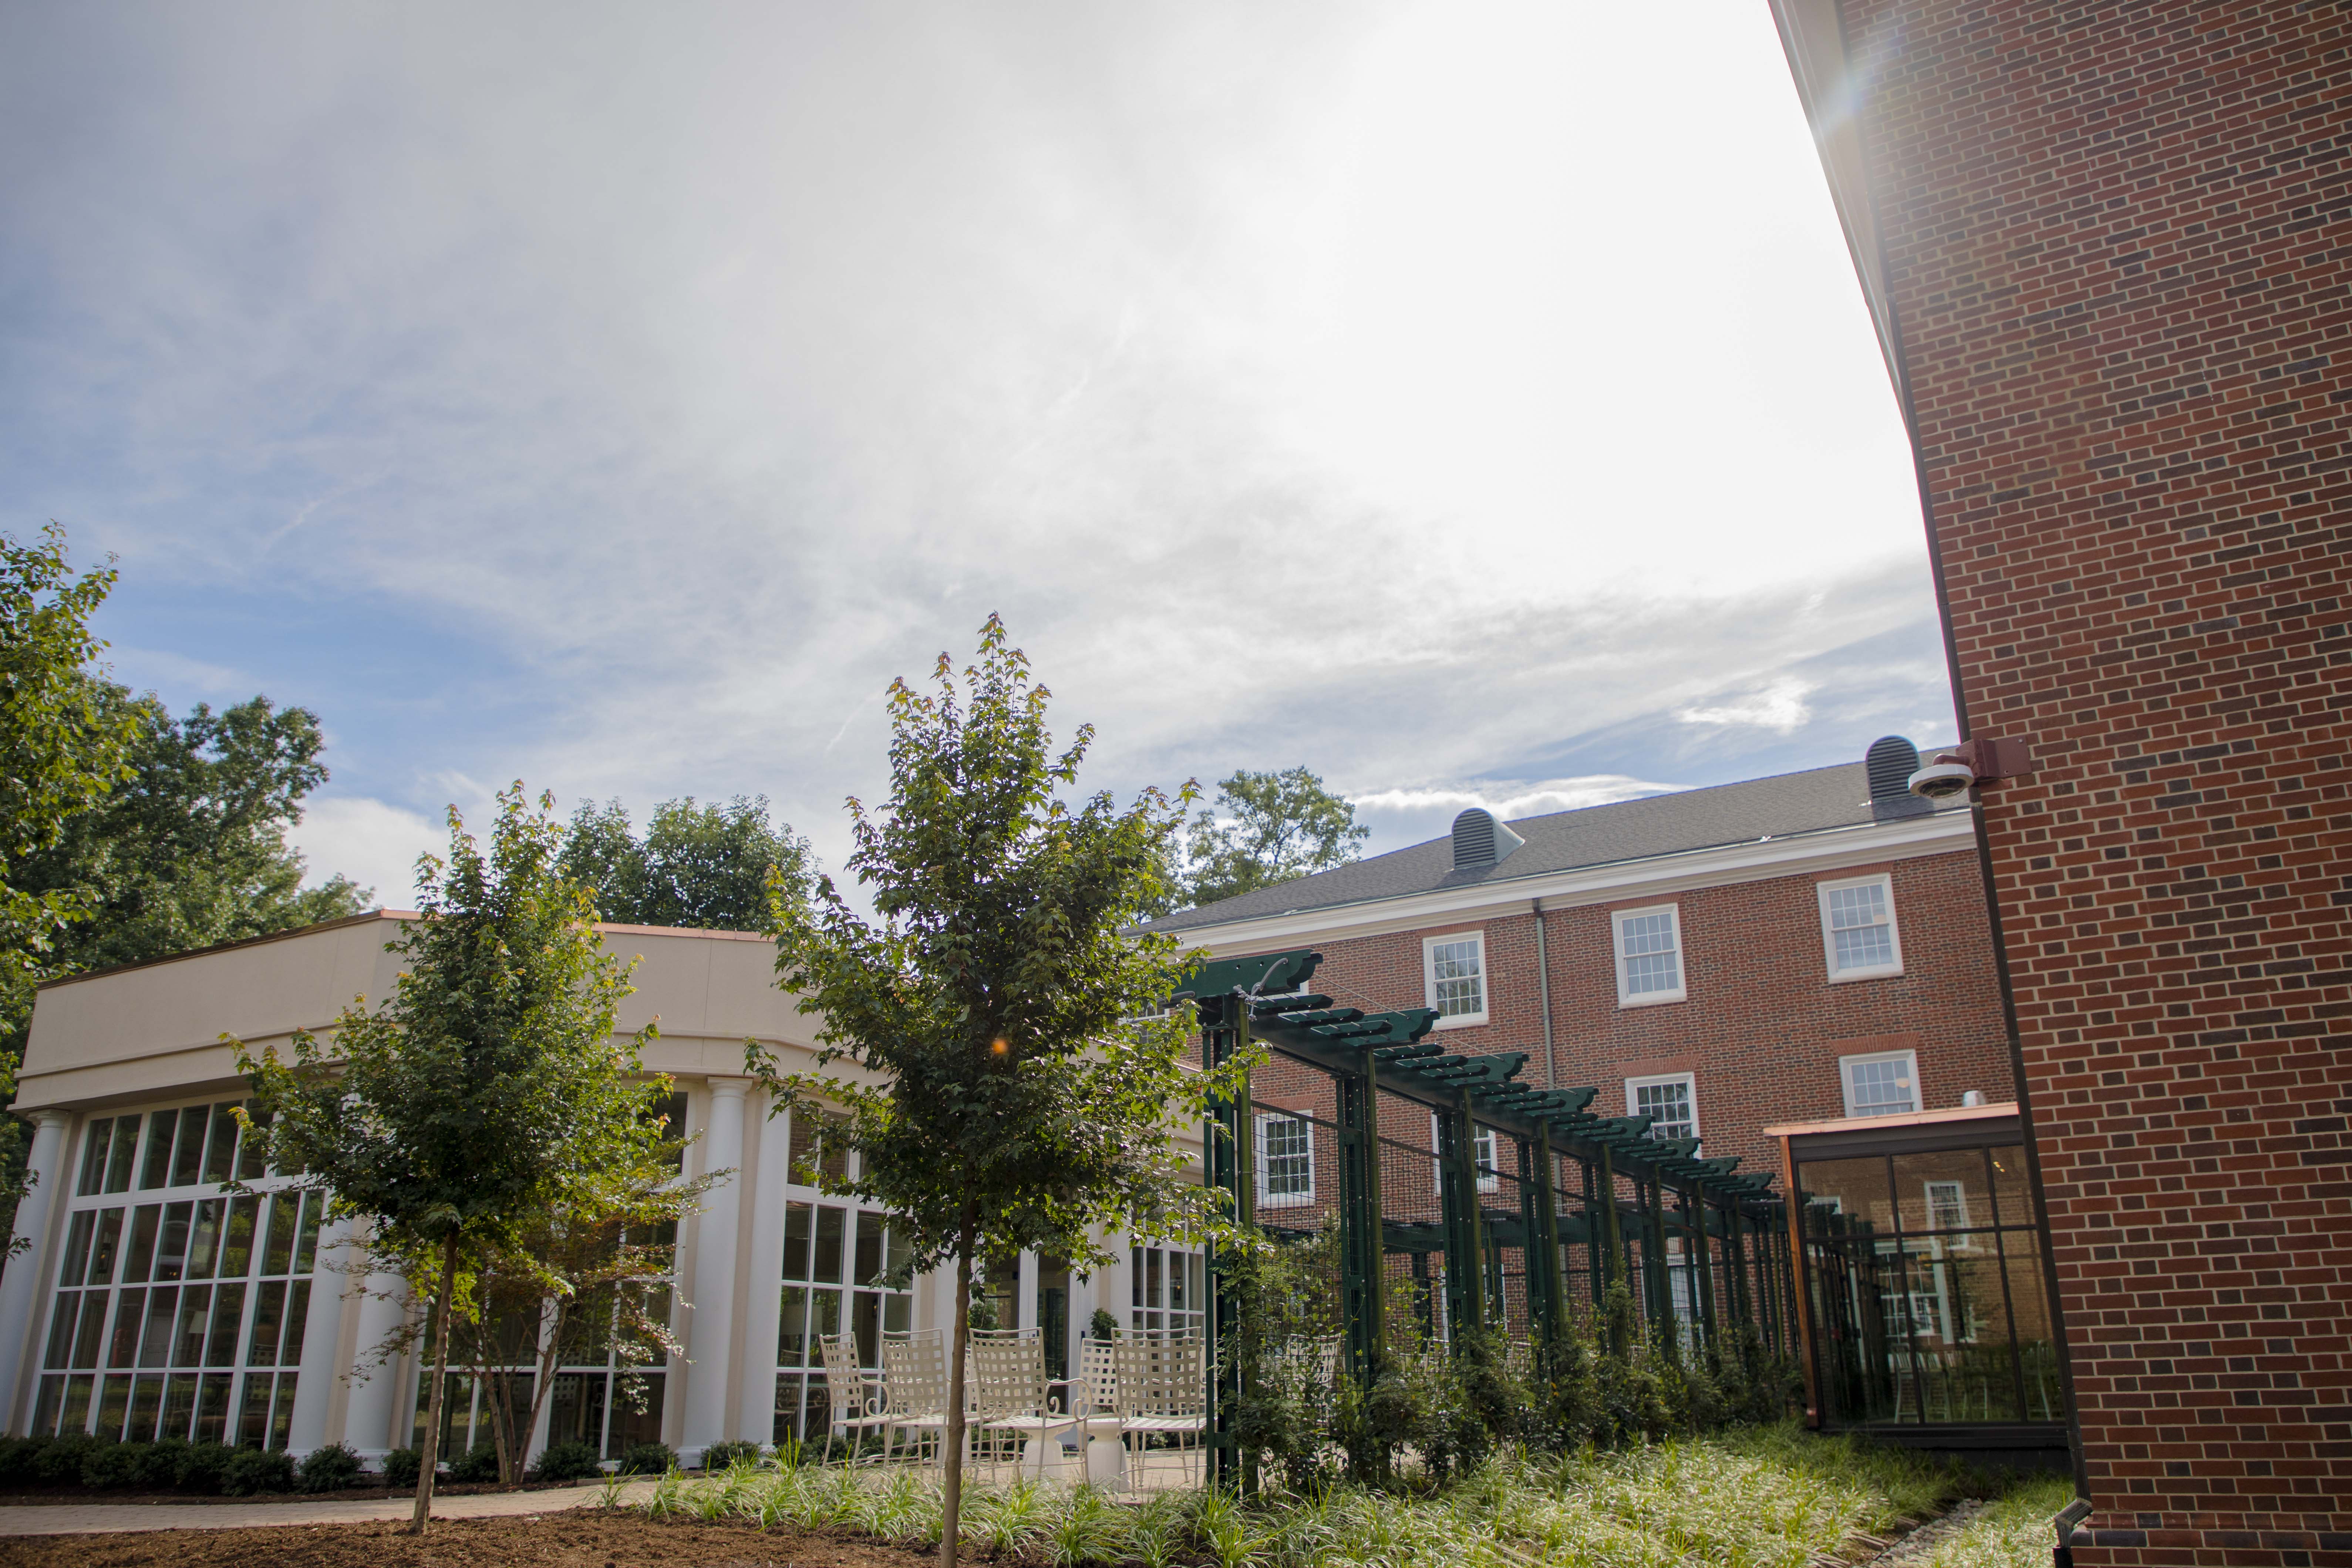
{"points": [[1704, 1257], [1361, 1262], [1544, 1281], [1613, 1225], [1228, 1165], [1654, 1262], [1465, 1251]]}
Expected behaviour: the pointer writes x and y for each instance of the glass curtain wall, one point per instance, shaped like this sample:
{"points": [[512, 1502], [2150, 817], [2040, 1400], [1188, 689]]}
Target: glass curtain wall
{"points": [[178, 1310], [1926, 1285]]}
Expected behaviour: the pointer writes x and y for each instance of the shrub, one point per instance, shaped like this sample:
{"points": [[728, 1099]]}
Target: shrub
{"points": [[1102, 1326], [648, 1459], [401, 1468], [250, 1471], [159, 1469], [567, 1461], [199, 1466], [332, 1469], [719, 1456], [478, 1463], [59, 1463], [20, 1460], [114, 1464]]}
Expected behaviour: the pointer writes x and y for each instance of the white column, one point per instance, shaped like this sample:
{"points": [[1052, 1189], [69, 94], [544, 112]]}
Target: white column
{"points": [[1025, 1304], [321, 1336], [20, 1284], [712, 1324], [763, 1261], [375, 1402]]}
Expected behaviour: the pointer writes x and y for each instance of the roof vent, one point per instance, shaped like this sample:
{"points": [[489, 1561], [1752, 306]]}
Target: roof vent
{"points": [[1480, 841], [1890, 762]]}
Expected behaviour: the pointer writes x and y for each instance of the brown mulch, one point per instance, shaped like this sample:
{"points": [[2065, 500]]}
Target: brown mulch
{"points": [[67, 1495], [574, 1539]]}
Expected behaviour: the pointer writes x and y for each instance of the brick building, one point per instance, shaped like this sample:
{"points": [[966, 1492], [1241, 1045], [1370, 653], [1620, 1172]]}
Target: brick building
{"points": [[2105, 246], [1797, 948]]}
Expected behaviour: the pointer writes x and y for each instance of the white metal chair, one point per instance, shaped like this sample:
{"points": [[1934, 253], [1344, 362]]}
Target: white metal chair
{"points": [[1094, 1400], [1163, 1389], [857, 1401], [914, 1387], [1010, 1397]]}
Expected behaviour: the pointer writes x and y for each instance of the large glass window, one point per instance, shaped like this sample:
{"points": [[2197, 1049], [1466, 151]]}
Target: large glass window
{"points": [[836, 1257], [1165, 1291], [177, 1310]]}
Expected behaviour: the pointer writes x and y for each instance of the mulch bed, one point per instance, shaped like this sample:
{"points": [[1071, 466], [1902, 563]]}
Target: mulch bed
{"points": [[574, 1539]]}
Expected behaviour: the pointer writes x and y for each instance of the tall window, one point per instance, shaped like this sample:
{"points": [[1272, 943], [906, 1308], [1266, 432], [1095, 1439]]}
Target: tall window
{"points": [[1884, 1084], [1481, 1149], [1669, 1101], [1948, 1205], [1453, 971], [1649, 955], [178, 1312], [1858, 937], [1286, 1147], [835, 1258]]}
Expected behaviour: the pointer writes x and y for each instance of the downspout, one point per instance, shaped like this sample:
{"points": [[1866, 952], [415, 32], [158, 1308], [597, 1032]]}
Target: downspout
{"points": [[1543, 983]]}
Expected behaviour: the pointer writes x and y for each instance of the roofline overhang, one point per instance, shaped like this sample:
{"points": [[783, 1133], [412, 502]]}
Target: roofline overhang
{"points": [[1813, 38], [1755, 860]]}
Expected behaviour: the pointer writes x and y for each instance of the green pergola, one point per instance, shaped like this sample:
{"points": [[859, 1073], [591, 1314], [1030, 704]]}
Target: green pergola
{"points": [[1628, 1193]]}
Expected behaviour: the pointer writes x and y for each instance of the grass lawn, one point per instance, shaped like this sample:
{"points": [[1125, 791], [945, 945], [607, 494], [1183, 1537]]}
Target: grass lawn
{"points": [[1772, 1499]]}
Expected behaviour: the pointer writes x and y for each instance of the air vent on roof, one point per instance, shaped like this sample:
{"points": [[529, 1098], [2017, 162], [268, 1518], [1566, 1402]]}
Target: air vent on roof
{"points": [[1890, 762], [1480, 841]]}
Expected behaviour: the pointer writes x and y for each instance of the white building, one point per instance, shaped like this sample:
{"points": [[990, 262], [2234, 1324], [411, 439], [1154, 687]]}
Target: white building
{"points": [[148, 1303]]}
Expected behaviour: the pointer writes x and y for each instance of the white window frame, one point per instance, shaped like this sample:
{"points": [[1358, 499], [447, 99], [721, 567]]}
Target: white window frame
{"points": [[1429, 946], [1681, 993], [1959, 1193], [1482, 1137], [1690, 1086], [1267, 1197], [1837, 976], [1845, 1080]]}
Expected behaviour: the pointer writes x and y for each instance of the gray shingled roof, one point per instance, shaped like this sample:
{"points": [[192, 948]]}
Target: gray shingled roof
{"points": [[1814, 801]]}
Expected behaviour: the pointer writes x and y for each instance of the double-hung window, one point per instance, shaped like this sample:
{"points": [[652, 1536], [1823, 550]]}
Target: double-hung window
{"points": [[1885, 1083], [1669, 1099], [1453, 972], [1482, 1151], [1286, 1161], [1649, 954], [1859, 940]]}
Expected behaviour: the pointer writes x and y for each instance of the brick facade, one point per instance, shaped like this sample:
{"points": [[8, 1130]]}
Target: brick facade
{"points": [[2115, 243], [1762, 1028]]}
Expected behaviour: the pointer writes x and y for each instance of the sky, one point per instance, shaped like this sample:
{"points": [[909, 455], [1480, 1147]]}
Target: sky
{"points": [[1474, 403]]}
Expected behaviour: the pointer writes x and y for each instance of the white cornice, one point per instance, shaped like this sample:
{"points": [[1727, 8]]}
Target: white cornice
{"points": [[1758, 861]]}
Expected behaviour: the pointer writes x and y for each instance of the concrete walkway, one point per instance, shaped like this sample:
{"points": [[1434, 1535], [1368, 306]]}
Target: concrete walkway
{"points": [[101, 1518]]}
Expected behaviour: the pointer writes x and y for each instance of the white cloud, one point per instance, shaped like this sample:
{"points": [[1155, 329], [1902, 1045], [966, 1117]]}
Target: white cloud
{"points": [[373, 844], [1779, 707]]}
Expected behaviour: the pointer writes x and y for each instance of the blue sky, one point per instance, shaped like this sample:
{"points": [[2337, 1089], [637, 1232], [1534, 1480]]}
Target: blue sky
{"points": [[1471, 401]]}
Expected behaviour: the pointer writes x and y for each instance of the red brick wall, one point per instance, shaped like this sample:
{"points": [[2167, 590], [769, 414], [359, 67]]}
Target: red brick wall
{"points": [[2116, 239], [1762, 1028]]}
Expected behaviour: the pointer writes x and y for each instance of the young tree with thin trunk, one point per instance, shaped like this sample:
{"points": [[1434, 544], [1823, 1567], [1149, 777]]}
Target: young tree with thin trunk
{"points": [[1004, 1001], [487, 1092]]}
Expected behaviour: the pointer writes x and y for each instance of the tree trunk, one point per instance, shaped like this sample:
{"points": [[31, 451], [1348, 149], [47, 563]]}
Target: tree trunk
{"points": [[951, 1498], [550, 1352], [431, 1457]]}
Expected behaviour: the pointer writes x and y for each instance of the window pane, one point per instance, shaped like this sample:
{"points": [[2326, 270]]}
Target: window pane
{"points": [[575, 1408], [869, 1249], [203, 1237], [1943, 1191], [120, 1158], [142, 1250], [1861, 935], [155, 1342], [113, 1404], [306, 1241], [93, 1156], [179, 1405], [172, 1243], [285, 1211], [1856, 1190], [1289, 1157], [220, 1148], [792, 1327], [636, 1413], [236, 1241], [146, 1401], [196, 1309], [76, 1262], [2012, 1197], [2029, 1305], [268, 1317], [91, 1334], [228, 1316], [827, 1267], [248, 1157], [1668, 1106], [298, 1321], [156, 1168], [122, 1348], [188, 1155], [103, 1249], [61, 1330], [212, 1408]]}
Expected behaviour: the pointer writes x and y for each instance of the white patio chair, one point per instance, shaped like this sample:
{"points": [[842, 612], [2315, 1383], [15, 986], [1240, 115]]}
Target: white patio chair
{"points": [[1094, 1400], [1010, 1397], [1163, 1389], [855, 1397], [914, 1388]]}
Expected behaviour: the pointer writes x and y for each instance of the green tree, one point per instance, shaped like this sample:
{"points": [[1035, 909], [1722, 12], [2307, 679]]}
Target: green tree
{"points": [[189, 850], [1268, 828], [1018, 1105], [487, 1092], [701, 866], [61, 750]]}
